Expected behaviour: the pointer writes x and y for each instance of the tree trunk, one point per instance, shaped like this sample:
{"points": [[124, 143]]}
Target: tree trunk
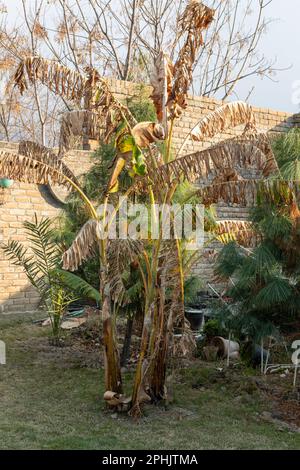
{"points": [[159, 354], [127, 341], [159, 369], [135, 410], [113, 379]]}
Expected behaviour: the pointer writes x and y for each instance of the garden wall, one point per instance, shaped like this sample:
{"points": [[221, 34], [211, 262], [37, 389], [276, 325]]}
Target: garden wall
{"points": [[21, 201]]}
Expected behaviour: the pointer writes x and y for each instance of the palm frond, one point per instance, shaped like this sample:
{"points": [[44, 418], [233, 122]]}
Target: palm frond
{"points": [[276, 292], [275, 226], [40, 234], [43, 258], [18, 255], [229, 260], [263, 261], [291, 170], [83, 247], [287, 150], [245, 282], [278, 192]]}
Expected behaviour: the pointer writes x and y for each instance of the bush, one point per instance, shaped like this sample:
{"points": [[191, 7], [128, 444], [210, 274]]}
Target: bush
{"points": [[212, 328]]}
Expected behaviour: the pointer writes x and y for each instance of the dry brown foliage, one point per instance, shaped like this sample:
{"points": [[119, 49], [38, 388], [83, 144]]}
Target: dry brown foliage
{"points": [[83, 247], [224, 117], [195, 19]]}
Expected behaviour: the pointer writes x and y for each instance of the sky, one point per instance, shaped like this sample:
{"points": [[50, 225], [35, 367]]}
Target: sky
{"points": [[282, 41]]}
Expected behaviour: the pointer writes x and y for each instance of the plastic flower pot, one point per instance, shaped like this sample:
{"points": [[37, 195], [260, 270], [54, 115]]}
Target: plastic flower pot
{"points": [[195, 317], [6, 183]]}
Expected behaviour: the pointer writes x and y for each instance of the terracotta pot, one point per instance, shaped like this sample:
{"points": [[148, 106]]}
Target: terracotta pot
{"points": [[223, 344]]}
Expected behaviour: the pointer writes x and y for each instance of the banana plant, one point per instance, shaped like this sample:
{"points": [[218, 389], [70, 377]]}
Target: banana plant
{"points": [[156, 175]]}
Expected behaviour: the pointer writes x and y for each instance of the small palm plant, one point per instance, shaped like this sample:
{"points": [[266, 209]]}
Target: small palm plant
{"points": [[265, 288], [266, 276], [40, 264], [156, 175]]}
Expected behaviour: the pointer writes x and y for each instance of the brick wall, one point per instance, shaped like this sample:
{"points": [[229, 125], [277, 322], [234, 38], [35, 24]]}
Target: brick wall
{"points": [[267, 119], [23, 200]]}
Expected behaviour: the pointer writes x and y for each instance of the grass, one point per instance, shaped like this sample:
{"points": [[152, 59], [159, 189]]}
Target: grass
{"points": [[51, 404]]}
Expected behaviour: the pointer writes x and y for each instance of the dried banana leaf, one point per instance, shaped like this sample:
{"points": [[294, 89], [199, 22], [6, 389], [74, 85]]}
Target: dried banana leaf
{"points": [[225, 117], [241, 192], [83, 247], [251, 151], [240, 231], [58, 78], [145, 133], [195, 19], [73, 86], [44, 155], [79, 123], [119, 255], [44, 169], [161, 80]]}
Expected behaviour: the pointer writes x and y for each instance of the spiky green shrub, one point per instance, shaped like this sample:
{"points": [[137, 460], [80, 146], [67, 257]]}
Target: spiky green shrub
{"points": [[287, 151], [40, 263], [265, 284]]}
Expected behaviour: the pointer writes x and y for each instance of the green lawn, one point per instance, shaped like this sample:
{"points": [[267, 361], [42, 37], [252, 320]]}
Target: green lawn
{"points": [[51, 403]]}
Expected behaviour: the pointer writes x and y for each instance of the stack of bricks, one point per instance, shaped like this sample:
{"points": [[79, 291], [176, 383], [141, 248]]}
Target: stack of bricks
{"points": [[22, 201]]}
